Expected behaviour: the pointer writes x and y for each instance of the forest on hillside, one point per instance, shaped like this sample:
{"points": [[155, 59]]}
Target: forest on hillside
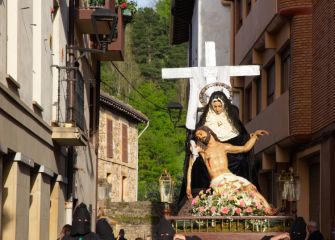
{"points": [[147, 52]]}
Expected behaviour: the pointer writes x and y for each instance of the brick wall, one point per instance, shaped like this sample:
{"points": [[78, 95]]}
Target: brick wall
{"points": [[300, 86], [323, 81], [284, 4]]}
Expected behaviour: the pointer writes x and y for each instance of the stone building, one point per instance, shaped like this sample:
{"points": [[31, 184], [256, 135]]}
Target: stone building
{"points": [[292, 98], [49, 93], [118, 151]]}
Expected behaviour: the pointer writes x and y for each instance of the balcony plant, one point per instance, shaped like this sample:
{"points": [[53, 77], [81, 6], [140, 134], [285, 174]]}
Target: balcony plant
{"points": [[95, 3], [128, 8]]}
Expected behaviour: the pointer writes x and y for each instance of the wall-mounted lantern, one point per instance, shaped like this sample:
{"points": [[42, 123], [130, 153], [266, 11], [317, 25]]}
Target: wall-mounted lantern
{"points": [[290, 191], [104, 23]]}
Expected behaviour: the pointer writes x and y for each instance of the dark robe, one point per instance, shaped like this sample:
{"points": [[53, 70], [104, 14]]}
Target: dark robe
{"points": [[104, 230], [316, 235], [165, 230]]}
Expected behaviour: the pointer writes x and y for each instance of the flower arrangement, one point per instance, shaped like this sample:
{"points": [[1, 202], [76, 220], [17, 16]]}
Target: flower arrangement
{"points": [[127, 7], [227, 200]]}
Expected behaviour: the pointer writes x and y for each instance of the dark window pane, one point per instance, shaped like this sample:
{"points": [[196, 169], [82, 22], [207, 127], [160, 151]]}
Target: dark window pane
{"points": [[285, 69], [259, 95], [248, 104], [271, 83]]}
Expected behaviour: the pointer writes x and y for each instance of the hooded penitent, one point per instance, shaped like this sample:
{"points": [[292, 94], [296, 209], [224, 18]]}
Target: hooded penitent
{"points": [[104, 230], [165, 230], [81, 221], [298, 229]]}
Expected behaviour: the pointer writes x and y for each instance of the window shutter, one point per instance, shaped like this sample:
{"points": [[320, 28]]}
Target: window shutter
{"points": [[109, 138], [124, 143]]}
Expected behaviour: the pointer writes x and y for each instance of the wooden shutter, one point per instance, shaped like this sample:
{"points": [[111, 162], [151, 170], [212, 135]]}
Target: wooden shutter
{"points": [[124, 143], [109, 138]]}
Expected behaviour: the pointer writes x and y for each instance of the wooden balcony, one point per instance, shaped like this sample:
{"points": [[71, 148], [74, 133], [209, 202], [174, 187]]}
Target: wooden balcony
{"points": [[68, 135], [115, 50], [83, 16]]}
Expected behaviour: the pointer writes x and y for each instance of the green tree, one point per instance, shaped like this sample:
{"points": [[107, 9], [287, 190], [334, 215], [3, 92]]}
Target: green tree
{"points": [[147, 51]]}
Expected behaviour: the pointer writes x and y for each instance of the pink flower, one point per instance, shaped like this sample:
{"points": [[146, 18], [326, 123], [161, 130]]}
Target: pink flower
{"points": [[213, 209], [258, 206], [208, 190], [238, 210], [249, 210], [201, 209], [223, 193], [194, 201], [124, 5], [224, 210], [242, 203]]}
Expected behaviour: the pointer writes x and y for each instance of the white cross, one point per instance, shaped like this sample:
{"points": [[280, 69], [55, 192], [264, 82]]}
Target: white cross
{"points": [[201, 76]]}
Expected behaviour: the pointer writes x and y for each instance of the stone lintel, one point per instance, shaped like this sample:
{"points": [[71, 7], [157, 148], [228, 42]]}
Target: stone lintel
{"points": [[61, 178], [3, 149], [47, 171], [19, 157]]}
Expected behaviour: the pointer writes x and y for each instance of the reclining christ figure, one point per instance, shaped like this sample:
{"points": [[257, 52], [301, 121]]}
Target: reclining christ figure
{"points": [[214, 154]]}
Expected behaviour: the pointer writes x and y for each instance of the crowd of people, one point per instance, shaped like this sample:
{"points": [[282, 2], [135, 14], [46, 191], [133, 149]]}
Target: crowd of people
{"points": [[222, 138], [81, 230]]}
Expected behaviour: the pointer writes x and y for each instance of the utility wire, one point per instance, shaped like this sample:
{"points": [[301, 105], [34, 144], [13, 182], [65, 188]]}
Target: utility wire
{"points": [[110, 88], [135, 89]]}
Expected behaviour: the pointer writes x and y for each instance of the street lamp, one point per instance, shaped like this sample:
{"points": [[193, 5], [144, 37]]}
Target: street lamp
{"points": [[106, 18], [166, 191], [290, 191], [174, 110]]}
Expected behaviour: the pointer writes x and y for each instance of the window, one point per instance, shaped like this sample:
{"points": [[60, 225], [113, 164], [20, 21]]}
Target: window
{"points": [[109, 138], [271, 83], [285, 69], [258, 95], [124, 143], [248, 104]]}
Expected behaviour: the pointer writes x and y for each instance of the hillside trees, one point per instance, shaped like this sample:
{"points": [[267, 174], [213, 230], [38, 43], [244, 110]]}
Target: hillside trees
{"points": [[147, 51]]}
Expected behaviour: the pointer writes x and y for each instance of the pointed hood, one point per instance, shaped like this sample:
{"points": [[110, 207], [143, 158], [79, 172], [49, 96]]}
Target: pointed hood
{"points": [[81, 223]]}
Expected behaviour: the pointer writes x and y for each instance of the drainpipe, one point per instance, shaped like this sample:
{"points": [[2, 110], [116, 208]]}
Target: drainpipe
{"points": [[71, 78], [143, 130]]}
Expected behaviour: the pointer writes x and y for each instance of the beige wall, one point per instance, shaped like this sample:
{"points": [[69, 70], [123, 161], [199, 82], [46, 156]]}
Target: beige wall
{"points": [[34, 202], [114, 167], [3, 40]]}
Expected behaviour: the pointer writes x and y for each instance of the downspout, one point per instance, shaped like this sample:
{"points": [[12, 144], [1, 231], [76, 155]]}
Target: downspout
{"points": [[143, 130], [71, 78], [137, 157]]}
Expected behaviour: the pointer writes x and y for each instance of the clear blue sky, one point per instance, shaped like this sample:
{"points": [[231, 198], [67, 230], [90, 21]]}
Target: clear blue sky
{"points": [[146, 3]]}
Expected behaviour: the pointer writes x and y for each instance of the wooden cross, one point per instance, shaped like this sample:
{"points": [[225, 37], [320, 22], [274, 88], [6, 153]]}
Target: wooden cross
{"points": [[201, 76]]}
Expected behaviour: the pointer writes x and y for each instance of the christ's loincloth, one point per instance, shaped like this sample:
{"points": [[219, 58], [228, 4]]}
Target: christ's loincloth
{"points": [[231, 179]]}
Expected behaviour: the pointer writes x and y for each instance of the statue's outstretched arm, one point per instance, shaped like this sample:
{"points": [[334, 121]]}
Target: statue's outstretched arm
{"points": [[248, 145]]}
